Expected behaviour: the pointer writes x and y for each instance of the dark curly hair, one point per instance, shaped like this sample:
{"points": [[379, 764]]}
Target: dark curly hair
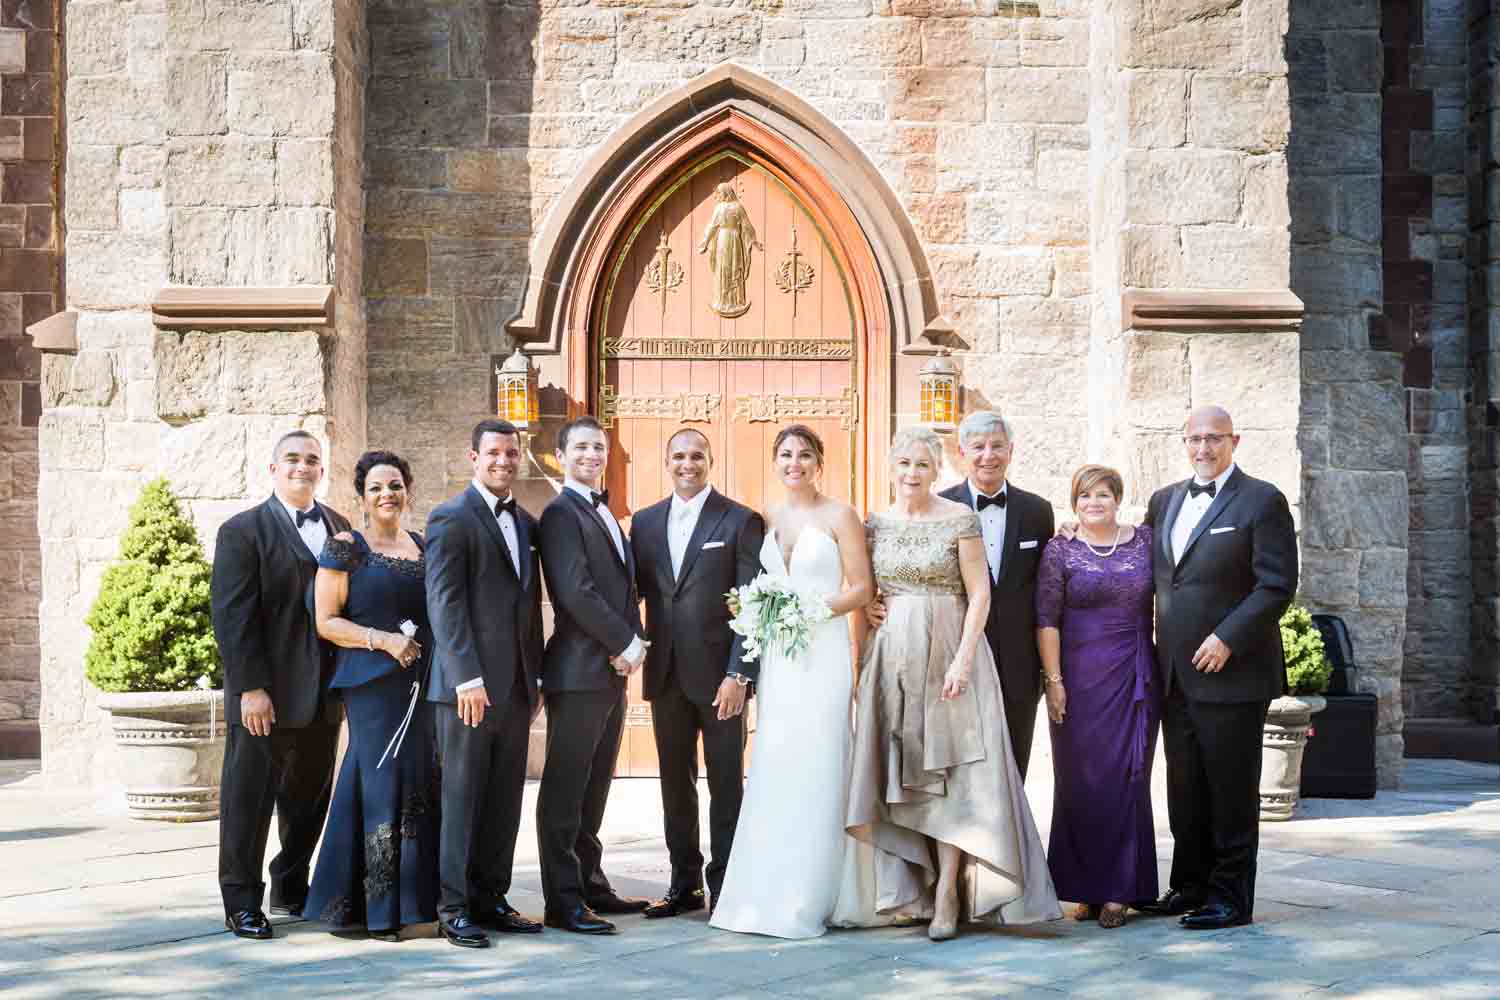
{"points": [[371, 459]]}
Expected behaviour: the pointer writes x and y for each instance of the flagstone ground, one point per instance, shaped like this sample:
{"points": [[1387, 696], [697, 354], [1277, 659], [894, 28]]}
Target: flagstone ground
{"points": [[1388, 898]]}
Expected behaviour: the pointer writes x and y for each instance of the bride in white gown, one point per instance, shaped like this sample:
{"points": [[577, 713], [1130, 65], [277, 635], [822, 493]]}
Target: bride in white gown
{"points": [[789, 847]]}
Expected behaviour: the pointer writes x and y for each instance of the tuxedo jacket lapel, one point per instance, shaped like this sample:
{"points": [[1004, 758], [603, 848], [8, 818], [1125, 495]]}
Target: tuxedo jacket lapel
{"points": [[1224, 498], [714, 509], [523, 545], [480, 508], [1169, 520], [591, 514], [289, 530], [1008, 552]]}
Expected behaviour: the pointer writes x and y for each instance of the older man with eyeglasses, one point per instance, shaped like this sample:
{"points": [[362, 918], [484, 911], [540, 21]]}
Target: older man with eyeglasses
{"points": [[1225, 566]]}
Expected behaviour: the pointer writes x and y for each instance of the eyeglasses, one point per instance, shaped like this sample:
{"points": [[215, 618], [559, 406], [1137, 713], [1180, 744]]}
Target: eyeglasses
{"points": [[1212, 440]]}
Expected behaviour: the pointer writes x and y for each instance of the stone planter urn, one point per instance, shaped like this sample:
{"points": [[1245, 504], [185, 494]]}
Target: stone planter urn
{"points": [[1285, 738], [171, 751]]}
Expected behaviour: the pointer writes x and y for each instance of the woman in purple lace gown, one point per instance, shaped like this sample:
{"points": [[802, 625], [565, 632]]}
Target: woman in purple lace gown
{"points": [[1094, 596]]}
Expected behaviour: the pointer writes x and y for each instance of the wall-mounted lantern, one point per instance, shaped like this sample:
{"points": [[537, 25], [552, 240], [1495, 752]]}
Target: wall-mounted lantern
{"points": [[940, 392], [516, 392]]}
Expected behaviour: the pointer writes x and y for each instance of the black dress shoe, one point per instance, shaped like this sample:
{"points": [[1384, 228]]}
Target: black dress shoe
{"points": [[613, 903], [501, 916], [462, 931], [287, 909], [674, 902], [250, 924], [1173, 904], [1213, 916], [580, 920]]}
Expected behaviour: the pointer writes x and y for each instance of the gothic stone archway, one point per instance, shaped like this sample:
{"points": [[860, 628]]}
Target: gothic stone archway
{"points": [[639, 344]]}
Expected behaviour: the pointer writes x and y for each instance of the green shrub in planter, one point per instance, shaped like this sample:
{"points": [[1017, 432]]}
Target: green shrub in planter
{"points": [[152, 625], [1307, 665]]}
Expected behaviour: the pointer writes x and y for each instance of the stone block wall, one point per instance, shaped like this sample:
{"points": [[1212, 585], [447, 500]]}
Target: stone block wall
{"points": [[30, 289], [976, 113], [1481, 689], [1425, 237], [1189, 124], [1353, 432], [202, 151]]}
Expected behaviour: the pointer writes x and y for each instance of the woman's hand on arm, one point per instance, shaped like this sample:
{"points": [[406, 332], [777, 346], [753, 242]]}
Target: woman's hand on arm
{"points": [[976, 575], [330, 594], [859, 579], [1049, 645]]}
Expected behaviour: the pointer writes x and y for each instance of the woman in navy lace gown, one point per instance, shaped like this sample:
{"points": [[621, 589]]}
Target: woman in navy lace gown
{"points": [[378, 866], [1094, 599]]}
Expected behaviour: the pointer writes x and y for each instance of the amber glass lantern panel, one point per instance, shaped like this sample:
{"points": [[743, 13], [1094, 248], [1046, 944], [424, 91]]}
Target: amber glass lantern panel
{"points": [[939, 400]]}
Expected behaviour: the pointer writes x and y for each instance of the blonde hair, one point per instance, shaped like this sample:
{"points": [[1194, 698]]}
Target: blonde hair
{"points": [[918, 436], [1089, 476]]}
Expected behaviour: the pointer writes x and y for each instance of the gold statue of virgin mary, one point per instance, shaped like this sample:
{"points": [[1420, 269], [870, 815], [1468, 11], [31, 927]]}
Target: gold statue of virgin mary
{"points": [[729, 242]]}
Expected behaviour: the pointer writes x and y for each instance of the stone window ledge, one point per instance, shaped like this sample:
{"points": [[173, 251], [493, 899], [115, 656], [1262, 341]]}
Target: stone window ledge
{"points": [[1215, 311], [178, 307]]}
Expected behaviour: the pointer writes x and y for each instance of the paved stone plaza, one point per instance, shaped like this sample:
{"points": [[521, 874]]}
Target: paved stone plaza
{"points": [[1390, 898]]}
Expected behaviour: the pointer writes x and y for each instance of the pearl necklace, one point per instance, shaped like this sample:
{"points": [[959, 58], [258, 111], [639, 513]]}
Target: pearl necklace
{"points": [[1103, 555]]}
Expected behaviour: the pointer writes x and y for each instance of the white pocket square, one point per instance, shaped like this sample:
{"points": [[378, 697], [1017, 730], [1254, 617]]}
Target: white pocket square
{"points": [[1029, 544], [1220, 531], [713, 545]]}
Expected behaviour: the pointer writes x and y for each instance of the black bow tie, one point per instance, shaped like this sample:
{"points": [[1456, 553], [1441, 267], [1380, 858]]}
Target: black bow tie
{"points": [[981, 501], [303, 516], [1211, 489], [601, 497], [508, 504]]}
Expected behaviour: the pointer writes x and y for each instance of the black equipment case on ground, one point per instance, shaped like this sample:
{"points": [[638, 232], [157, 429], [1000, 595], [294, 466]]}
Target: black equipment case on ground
{"points": [[1339, 762]]}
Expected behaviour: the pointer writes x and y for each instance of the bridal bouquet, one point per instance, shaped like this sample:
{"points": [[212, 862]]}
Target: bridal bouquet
{"points": [[772, 614]]}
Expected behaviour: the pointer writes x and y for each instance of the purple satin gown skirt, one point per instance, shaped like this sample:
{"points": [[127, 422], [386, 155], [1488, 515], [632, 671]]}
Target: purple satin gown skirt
{"points": [[1103, 842]]}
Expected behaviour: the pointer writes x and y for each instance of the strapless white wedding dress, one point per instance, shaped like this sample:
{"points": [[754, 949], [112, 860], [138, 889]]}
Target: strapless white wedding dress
{"points": [[789, 846]]}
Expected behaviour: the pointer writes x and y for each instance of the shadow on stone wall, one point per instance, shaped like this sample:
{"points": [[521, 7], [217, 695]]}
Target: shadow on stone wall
{"points": [[1352, 429], [450, 212]]}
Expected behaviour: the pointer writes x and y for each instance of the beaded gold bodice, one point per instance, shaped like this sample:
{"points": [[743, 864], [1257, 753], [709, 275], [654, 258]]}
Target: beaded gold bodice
{"points": [[918, 557]]}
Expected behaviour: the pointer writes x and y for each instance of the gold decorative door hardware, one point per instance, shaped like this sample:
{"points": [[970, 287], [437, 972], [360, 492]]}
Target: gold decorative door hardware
{"points": [[793, 276]]}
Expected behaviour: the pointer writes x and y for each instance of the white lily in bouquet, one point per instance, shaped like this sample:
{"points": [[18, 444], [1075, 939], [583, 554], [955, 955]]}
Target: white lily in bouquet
{"points": [[771, 613]]}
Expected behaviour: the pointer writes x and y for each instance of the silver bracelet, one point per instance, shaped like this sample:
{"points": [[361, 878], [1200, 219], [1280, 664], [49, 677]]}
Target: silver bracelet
{"points": [[370, 637]]}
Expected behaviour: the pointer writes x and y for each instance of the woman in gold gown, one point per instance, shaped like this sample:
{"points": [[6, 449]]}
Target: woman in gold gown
{"points": [[934, 789]]}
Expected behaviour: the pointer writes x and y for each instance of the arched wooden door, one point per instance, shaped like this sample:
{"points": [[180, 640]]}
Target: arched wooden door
{"points": [[727, 309]]}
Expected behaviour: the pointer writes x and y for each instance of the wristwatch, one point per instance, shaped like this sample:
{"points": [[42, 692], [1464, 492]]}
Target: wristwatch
{"points": [[739, 679]]}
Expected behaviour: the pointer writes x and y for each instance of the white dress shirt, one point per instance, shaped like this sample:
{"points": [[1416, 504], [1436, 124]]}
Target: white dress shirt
{"points": [[682, 521], [507, 522], [1192, 510], [992, 527], [633, 651], [508, 530], [314, 532]]}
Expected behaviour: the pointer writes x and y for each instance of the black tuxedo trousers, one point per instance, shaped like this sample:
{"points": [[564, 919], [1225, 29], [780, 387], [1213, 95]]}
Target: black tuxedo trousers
{"points": [[484, 780], [676, 722], [290, 772]]}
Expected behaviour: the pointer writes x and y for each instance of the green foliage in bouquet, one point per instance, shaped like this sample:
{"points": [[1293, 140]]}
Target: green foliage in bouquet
{"points": [[1307, 666], [152, 626]]}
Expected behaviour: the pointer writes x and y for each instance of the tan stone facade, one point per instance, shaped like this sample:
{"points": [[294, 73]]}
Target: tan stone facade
{"points": [[1112, 202]]}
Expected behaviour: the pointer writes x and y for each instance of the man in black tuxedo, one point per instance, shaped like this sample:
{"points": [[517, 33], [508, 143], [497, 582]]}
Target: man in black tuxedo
{"points": [[1016, 526], [283, 730], [1225, 563], [690, 550], [484, 598], [596, 643]]}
